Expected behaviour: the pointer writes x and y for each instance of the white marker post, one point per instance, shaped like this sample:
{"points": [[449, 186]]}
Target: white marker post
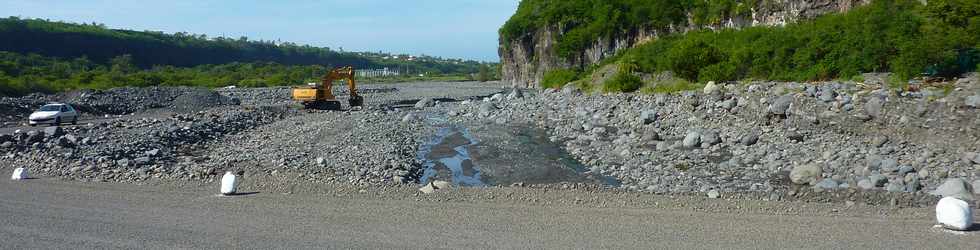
{"points": [[229, 183], [954, 214], [19, 174]]}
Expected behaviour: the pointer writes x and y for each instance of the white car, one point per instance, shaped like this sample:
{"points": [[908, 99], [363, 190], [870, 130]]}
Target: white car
{"points": [[55, 114]]}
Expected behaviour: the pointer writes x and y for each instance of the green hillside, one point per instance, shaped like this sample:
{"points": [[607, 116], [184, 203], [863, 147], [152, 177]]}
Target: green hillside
{"points": [[43, 56], [900, 36]]}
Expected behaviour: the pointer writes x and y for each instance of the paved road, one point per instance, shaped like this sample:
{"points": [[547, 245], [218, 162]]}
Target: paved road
{"points": [[52, 214]]}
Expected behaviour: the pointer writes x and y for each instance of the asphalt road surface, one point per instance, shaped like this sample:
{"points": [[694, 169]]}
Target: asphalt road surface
{"points": [[52, 214]]}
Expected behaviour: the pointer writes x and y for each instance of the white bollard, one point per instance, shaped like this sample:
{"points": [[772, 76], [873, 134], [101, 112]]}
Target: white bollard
{"points": [[19, 174], [955, 214], [229, 183]]}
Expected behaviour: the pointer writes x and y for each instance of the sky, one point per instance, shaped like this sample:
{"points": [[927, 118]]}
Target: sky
{"points": [[464, 29]]}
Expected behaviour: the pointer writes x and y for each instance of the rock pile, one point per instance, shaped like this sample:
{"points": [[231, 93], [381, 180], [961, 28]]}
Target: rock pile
{"points": [[763, 136]]}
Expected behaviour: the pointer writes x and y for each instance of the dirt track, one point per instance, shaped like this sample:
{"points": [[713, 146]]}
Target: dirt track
{"points": [[52, 214]]}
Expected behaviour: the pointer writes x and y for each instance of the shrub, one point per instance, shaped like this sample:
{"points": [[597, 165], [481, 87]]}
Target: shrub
{"points": [[674, 86], [623, 81], [896, 36], [558, 78]]}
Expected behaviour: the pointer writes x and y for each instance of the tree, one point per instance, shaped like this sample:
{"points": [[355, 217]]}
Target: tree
{"points": [[123, 64], [484, 74]]}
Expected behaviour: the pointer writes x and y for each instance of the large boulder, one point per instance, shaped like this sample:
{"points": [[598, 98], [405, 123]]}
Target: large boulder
{"points": [[873, 107], [781, 105], [805, 174], [956, 188]]}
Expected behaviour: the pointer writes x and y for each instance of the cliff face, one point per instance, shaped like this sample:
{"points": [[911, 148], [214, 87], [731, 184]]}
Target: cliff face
{"points": [[525, 60]]}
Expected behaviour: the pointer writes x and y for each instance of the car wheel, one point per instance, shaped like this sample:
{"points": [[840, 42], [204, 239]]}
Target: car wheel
{"points": [[74, 121], [33, 125], [57, 121]]}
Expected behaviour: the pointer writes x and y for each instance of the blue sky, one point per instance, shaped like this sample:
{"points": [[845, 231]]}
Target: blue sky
{"points": [[448, 28]]}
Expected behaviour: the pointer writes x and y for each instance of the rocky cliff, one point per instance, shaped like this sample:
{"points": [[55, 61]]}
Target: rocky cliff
{"points": [[525, 60]]}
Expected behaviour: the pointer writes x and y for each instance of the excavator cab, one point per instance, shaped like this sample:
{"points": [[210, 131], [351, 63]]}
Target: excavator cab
{"points": [[320, 96]]}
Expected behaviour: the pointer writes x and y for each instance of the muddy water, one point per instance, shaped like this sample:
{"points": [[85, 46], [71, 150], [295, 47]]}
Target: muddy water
{"points": [[448, 158], [490, 154]]}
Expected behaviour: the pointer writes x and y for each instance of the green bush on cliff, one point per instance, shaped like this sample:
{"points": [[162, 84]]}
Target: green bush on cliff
{"points": [[558, 78], [622, 82], [899, 36], [895, 36], [585, 21]]}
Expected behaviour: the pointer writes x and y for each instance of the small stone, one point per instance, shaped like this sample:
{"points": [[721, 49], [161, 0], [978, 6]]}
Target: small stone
{"points": [[865, 184], [905, 170], [487, 108], [912, 183], [441, 184], [805, 174], [750, 139], [425, 103], [648, 116], [515, 94], [52, 132], [827, 184], [410, 117], [714, 194], [873, 107], [711, 88], [895, 187], [142, 160], [710, 137], [428, 189], [889, 165], [827, 94], [320, 161], [878, 180], [973, 101], [795, 136], [693, 139]]}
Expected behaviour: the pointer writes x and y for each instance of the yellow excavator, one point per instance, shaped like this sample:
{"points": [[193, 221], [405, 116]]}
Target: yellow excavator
{"points": [[321, 96]]}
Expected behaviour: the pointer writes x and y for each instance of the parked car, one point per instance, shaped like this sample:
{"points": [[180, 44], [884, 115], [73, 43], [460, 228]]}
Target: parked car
{"points": [[54, 114]]}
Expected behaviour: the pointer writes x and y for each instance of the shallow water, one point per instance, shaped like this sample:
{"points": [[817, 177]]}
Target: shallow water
{"points": [[503, 155]]}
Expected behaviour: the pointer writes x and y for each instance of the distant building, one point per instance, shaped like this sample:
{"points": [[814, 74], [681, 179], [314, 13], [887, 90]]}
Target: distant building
{"points": [[385, 72]]}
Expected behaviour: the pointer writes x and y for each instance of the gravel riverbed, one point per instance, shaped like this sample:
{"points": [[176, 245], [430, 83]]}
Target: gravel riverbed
{"points": [[828, 141]]}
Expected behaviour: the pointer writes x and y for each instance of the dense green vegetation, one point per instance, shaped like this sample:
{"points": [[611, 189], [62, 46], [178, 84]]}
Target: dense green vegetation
{"points": [[149, 48], [23, 74], [584, 21], [559, 77], [899, 36], [42, 56], [896, 36]]}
